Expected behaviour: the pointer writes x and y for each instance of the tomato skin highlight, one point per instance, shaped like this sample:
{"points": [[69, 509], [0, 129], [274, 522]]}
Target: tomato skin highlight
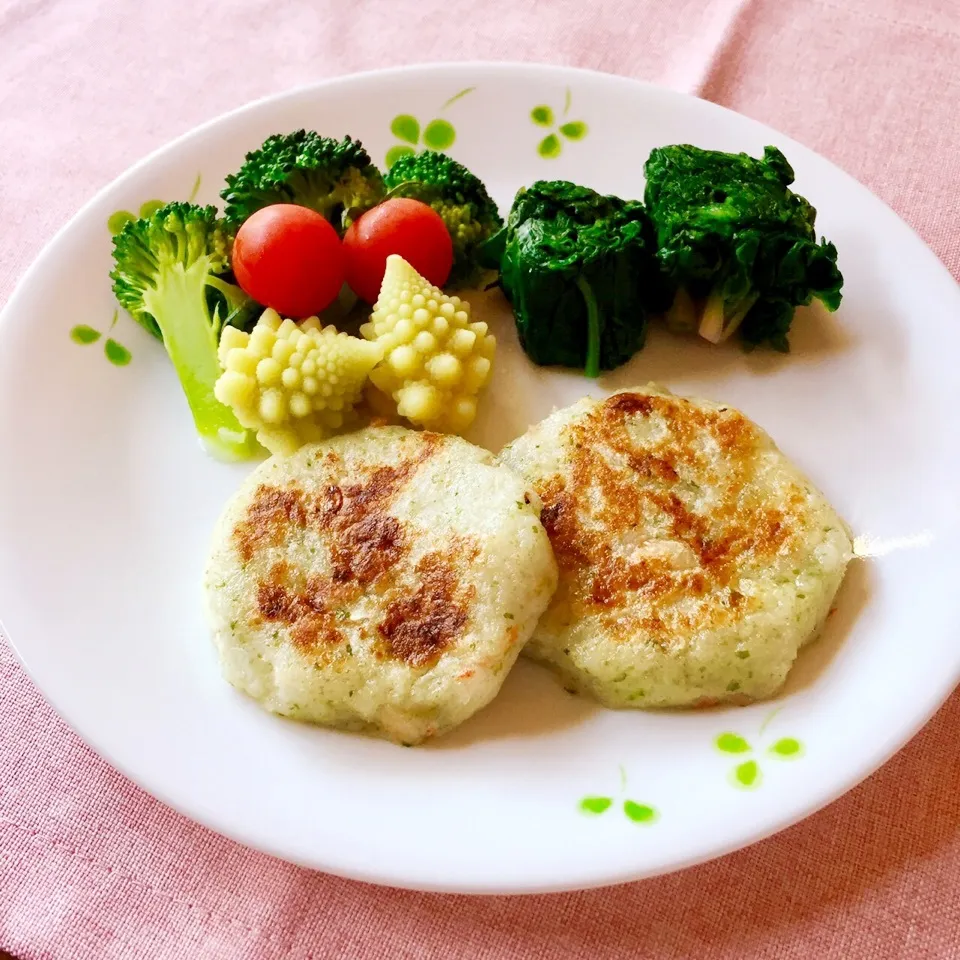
{"points": [[403, 226], [289, 257]]}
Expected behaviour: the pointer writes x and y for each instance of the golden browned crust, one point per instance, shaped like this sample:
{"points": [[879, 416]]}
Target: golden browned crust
{"points": [[419, 627], [365, 550], [367, 547], [616, 487], [308, 613], [270, 515]]}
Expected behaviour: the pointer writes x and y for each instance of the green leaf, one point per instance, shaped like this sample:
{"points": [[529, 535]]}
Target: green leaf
{"points": [[787, 748], [407, 128], [398, 151], [84, 335], [574, 130], [439, 135], [595, 805], [732, 743], [117, 354], [549, 146], [639, 812], [490, 252], [542, 116], [747, 774]]}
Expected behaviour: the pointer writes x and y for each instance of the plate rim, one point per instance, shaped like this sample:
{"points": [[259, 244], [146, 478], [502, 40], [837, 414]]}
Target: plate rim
{"points": [[844, 783]]}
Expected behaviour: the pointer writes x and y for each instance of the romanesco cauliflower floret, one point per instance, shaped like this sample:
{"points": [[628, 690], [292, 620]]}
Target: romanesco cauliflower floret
{"points": [[292, 383], [435, 361]]}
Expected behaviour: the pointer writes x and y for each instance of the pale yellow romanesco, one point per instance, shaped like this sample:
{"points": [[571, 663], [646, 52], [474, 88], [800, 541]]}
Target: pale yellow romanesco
{"points": [[292, 383], [435, 361]]}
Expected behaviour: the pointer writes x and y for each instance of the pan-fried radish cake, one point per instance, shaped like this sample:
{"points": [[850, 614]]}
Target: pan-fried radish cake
{"points": [[383, 581], [695, 559]]}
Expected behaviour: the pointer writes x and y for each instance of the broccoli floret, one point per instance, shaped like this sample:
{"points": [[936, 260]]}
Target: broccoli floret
{"points": [[169, 274], [580, 271], [336, 178], [457, 195], [737, 243]]}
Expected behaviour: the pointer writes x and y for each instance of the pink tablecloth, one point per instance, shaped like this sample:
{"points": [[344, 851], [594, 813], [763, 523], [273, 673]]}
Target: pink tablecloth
{"points": [[90, 867]]}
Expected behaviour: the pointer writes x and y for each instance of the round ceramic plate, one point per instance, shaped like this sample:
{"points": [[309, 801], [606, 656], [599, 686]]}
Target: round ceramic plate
{"points": [[107, 503]]}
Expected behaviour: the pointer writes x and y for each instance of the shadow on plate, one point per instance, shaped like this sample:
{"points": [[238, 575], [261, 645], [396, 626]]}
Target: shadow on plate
{"points": [[815, 333], [531, 703], [814, 659]]}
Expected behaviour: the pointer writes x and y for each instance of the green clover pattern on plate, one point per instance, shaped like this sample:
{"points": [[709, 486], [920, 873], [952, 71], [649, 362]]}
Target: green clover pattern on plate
{"points": [[120, 218], [552, 144], [437, 134], [747, 774], [115, 352], [641, 813]]}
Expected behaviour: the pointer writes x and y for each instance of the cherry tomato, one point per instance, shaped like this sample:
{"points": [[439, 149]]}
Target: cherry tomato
{"points": [[407, 227], [289, 257]]}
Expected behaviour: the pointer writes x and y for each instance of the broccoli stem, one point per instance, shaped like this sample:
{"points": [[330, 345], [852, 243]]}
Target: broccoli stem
{"points": [[591, 367], [178, 304]]}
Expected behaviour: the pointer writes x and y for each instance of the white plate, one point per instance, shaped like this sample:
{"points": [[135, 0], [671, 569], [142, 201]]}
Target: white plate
{"points": [[106, 505]]}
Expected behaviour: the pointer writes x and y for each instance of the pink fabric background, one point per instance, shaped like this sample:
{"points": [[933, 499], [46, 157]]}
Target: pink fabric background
{"points": [[90, 867]]}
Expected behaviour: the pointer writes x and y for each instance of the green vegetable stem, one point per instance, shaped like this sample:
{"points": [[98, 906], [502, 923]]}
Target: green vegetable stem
{"points": [[170, 273]]}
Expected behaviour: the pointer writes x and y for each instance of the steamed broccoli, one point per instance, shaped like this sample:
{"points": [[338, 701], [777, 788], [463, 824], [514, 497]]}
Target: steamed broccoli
{"points": [[457, 195], [169, 271], [737, 244], [580, 271], [336, 178]]}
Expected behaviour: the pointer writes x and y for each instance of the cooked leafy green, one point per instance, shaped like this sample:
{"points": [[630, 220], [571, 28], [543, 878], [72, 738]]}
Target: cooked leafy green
{"points": [[580, 272], [737, 244]]}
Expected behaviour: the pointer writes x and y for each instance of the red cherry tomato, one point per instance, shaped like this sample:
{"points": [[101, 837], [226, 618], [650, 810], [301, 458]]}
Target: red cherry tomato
{"points": [[404, 226], [289, 258]]}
